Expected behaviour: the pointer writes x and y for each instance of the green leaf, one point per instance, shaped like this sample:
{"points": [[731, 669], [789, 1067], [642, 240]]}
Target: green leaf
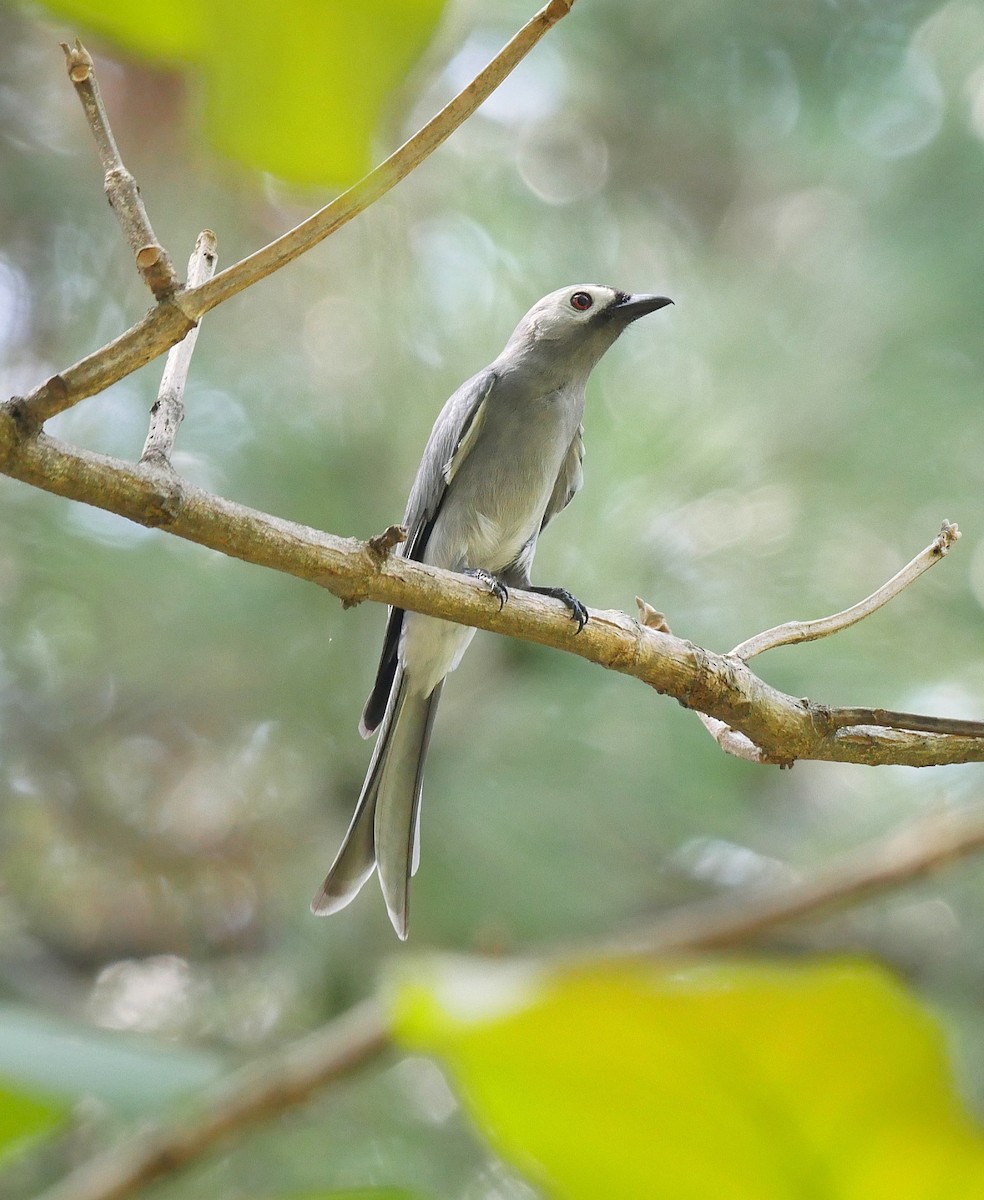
{"points": [[302, 88], [294, 87], [24, 1116], [722, 1079]]}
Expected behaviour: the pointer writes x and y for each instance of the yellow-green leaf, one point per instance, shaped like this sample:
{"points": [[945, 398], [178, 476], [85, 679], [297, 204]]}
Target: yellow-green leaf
{"points": [[162, 30], [304, 85], [759, 1081], [24, 1116], [294, 87]]}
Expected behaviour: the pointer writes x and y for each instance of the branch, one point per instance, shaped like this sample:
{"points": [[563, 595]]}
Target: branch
{"points": [[167, 412], [153, 261], [793, 632], [785, 727], [257, 1092], [167, 324], [739, 916]]}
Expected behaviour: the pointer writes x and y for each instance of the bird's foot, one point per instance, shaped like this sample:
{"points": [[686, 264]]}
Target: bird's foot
{"points": [[578, 612], [495, 585]]}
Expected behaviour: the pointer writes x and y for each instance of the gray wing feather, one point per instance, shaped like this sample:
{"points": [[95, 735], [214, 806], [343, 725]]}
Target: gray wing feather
{"points": [[454, 434], [569, 479]]}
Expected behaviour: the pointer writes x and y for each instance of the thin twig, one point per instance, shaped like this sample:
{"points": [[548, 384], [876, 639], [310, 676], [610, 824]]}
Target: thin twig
{"points": [[784, 726], [742, 914], [170, 321], [257, 1092], [793, 632], [153, 261], [167, 412], [651, 618], [384, 542], [887, 718], [737, 744]]}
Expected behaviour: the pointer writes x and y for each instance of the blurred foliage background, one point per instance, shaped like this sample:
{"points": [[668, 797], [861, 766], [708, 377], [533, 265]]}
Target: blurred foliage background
{"points": [[178, 730]]}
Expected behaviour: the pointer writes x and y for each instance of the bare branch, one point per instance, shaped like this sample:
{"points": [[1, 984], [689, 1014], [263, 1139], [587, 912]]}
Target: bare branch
{"points": [[259, 1091], [167, 412], [153, 261], [793, 632], [742, 914], [740, 746], [170, 321], [155, 333], [784, 727]]}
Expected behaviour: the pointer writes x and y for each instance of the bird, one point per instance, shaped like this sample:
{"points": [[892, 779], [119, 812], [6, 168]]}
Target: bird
{"points": [[503, 458]]}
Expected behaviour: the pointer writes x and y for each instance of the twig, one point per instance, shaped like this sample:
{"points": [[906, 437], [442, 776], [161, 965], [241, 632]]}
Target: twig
{"points": [[153, 261], [793, 632], [737, 744], [384, 542], [742, 914], [887, 718], [255, 1093], [167, 412], [170, 321], [785, 727], [650, 617]]}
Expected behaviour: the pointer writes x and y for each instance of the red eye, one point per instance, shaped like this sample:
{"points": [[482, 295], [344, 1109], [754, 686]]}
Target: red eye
{"points": [[581, 301]]}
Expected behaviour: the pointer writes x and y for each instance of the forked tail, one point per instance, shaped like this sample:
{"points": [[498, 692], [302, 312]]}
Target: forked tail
{"points": [[383, 832]]}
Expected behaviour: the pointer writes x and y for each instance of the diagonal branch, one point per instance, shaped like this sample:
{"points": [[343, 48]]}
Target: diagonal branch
{"points": [[786, 728], [167, 324], [258, 1092], [153, 261], [741, 915]]}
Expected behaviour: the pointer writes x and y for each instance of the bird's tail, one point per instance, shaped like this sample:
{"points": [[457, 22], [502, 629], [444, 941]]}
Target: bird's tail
{"points": [[383, 833]]}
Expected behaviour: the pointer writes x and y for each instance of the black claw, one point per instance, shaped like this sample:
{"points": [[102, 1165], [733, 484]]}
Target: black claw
{"points": [[578, 612], [496, 587]]}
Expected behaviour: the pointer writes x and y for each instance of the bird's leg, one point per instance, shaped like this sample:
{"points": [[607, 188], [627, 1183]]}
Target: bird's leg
{"points": [[578, 612], [495, 585]]}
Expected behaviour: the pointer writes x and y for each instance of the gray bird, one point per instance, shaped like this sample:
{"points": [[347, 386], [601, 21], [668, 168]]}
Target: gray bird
{"points": [[503, 458]]}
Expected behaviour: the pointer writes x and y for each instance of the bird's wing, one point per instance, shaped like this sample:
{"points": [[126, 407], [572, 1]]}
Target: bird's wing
{"points": [[569, 479], [452, 438]]}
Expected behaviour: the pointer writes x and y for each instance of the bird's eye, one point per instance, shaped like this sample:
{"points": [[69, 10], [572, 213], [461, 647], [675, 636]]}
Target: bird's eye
{"points": [[581, 301]]}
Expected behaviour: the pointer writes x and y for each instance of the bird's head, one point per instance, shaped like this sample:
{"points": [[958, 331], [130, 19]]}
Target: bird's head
{"points": [[576, 325]]}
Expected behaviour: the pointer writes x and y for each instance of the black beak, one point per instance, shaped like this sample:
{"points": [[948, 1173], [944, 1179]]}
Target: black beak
{"points": [[630, 308]]}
